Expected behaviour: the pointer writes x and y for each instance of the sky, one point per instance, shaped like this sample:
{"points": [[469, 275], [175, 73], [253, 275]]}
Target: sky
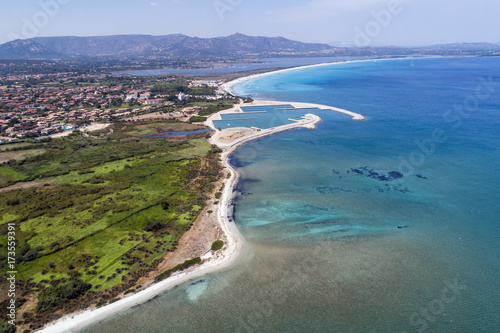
{"points": [[338, 22]]}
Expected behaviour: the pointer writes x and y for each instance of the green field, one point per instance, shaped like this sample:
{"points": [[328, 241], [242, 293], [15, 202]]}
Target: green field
{"points": [[6, 156], [106, 212], [132, 130]]}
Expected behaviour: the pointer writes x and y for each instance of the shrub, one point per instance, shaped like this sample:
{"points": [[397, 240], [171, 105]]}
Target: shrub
{"points": [[197, 119], [180, 267], [215, 149], [101, 303], [54, 245], [153, 226], [217, 245], [52, 297], [74, 274], [165, 205], [218, 195], [24, 249], [130, 291], [31, 255], [7, 328], [13, 202]]}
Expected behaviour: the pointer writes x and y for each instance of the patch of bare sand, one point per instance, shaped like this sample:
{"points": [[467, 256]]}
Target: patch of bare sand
{"points": [[24, 186]]}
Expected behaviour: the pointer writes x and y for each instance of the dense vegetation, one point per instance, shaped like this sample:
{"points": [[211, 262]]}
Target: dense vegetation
{"points": [[100, 213], [54, 296], [180, 85], [197, 119]]}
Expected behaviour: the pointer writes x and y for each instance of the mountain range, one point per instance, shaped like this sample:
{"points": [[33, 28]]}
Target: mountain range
{"points": [[179, 47], [173, 47]]}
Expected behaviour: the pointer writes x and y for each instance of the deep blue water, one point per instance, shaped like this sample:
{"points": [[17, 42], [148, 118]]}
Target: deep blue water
{"points": [[386, 225]]}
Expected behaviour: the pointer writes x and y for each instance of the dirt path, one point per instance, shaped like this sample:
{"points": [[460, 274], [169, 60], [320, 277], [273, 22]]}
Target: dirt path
{"points": [[24, 186]]}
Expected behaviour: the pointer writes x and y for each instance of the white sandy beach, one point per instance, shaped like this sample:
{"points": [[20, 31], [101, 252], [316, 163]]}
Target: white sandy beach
{"points": [[227, 86], [228, 140]]}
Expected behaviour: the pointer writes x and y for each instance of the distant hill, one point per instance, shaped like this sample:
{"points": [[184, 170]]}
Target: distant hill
{"points": [[93, 46], [467, 47], [26, 49], [184, 48], [173, 47]]}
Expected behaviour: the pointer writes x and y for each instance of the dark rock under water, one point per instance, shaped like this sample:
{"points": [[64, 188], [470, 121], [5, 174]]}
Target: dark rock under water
{"points": [[370, 173]]}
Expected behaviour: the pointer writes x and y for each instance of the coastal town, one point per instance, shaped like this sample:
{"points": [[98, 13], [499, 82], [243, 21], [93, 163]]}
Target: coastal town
{"points": [[33, 106]]}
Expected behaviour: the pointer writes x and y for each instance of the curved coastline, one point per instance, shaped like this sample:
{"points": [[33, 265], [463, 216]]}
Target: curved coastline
{"points": [[233, 239], [227, 86]]}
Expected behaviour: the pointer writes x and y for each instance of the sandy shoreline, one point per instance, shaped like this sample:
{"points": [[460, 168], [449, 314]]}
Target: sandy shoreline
{"points": [[228, 140], [227, 86]]}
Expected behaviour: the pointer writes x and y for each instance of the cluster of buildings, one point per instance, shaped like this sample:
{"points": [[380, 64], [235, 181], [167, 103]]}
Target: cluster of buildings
{"points": [[38, 105], [219, 93], [30, 110]]}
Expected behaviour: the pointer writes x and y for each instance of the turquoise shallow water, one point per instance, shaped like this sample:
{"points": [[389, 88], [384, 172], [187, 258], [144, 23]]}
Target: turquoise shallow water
{"points": [[263, 117], [386, 225]]}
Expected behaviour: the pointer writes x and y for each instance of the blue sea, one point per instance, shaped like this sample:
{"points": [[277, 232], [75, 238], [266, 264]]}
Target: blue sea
{"points": [[386, 225]]}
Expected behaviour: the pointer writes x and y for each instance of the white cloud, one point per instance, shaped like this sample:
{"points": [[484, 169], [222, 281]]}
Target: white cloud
{"points": [[154, 4]]}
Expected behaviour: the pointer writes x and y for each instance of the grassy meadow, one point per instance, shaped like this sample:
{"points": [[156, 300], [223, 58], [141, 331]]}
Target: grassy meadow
{"points": [[104, 212]]}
